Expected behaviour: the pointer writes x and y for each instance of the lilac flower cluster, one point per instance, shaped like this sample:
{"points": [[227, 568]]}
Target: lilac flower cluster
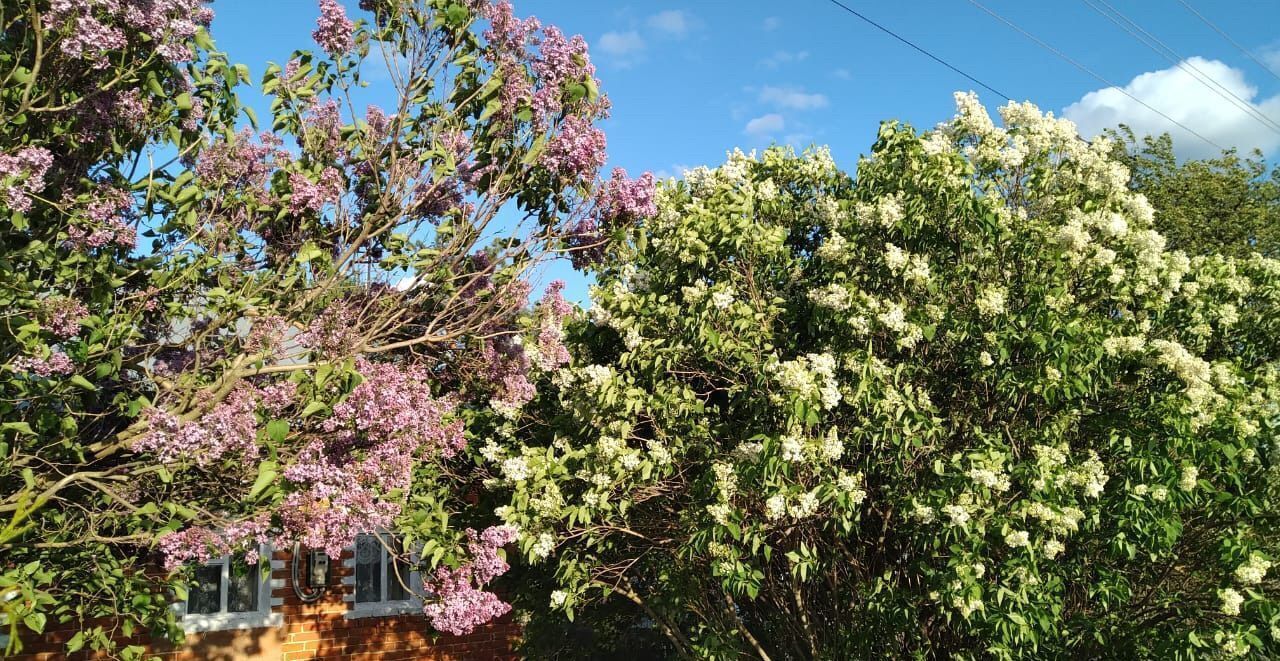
{"points": [[200, 544], [623, 198], [312, 196], [231, 426], [56, 363], [109, 214], [63, 315], [376, 118], [539, 66], [576, 152], [334, 333], [369, 446], [463, 605], [333, 28], [95, 27], [552, 310], [241, 163], [323, 135], [22, 175], [506, 367], [267, 333], [394, 413], [560, 62], [586, 244], [329, 515]]}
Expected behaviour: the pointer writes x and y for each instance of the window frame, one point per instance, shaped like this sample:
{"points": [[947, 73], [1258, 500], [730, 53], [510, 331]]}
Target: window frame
{"points": [[264, 617], [385, 607]]}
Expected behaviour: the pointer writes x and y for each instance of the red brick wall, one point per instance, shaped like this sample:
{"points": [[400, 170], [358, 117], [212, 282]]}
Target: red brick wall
{"points": [[313, 631]]}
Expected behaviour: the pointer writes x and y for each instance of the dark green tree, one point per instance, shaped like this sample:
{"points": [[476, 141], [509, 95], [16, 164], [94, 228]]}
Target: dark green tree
{"points": [[1229, 204]]}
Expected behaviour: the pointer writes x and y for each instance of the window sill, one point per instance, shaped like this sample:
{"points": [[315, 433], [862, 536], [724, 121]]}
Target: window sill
{"points": [[230, 621], [384, 609]]}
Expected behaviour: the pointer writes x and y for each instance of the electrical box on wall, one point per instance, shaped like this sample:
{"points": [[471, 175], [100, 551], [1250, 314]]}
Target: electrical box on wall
{"points": [[317, 568]]}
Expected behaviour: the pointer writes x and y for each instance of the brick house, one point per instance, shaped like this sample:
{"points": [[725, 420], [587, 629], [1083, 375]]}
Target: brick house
{"points": [[363, 613]]}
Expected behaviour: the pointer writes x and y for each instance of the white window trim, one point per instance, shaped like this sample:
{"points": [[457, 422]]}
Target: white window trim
{"points": [[265, 617], [379, 608]]}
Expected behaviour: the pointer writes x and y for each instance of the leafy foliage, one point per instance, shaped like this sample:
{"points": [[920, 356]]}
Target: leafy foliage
{"points": [[1226, 205], [964, 404], [294, 354]]}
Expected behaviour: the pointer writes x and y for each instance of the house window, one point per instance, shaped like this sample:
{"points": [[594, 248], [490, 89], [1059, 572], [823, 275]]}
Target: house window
{"points": [[381, 580], [228, 593]]}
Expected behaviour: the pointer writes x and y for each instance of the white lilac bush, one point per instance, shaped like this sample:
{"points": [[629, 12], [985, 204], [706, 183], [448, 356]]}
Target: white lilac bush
{"points": [[962, 404]]}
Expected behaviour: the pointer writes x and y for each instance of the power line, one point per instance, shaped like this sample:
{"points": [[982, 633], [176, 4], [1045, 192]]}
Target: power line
{"points": [[1226, 36], [931, 56], [1172, 56], [1091, 72]]}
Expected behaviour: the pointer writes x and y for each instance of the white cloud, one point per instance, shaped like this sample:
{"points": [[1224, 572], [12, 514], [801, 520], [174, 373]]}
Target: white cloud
{"points": [[798, 140], [620, 44], [792, 97], [672, 22], [1176, 93], [771, 23], [1270, 56], [782, 57], [765, 125], [842, 74]]}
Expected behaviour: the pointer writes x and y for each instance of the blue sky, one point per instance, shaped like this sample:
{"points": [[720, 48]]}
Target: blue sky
{"points": [[692, 80]]}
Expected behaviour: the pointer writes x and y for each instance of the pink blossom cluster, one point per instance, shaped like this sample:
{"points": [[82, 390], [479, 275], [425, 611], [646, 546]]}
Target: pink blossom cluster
{"points": [[266, 333], [230, 426], [576, 152], [194, 545], [241, 162], [586, 243], [323, 133], [109, 214], [505, 31], [368, 447], [329, 516], [63, 315], [22, 175], [200, 544], [552, 310], [333, 28], [97, 26], [623, 198], [277, 397], [312, 196], [463, 605], [377, 120], [557, 62], [334, 333], [394, 413], [57, 363], [458, 145], [506, 367], [560, 61], [435, 198]]}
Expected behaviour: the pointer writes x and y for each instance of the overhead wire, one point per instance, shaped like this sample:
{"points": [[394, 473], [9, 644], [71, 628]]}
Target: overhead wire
{"points": [[1091, 72], [931, 56], [1224, 35], [1154, 43]]}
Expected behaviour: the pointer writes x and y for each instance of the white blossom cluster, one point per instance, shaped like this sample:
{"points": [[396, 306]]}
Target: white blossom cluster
{"points": [[812, 376]]}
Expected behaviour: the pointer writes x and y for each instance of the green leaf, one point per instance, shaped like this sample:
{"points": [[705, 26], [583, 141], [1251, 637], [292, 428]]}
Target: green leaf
{"points": [[35, 622], [312, 408], [456, 15], [277, 430], [308, 252], [20, 427], [83, 382], [267, 472]]}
